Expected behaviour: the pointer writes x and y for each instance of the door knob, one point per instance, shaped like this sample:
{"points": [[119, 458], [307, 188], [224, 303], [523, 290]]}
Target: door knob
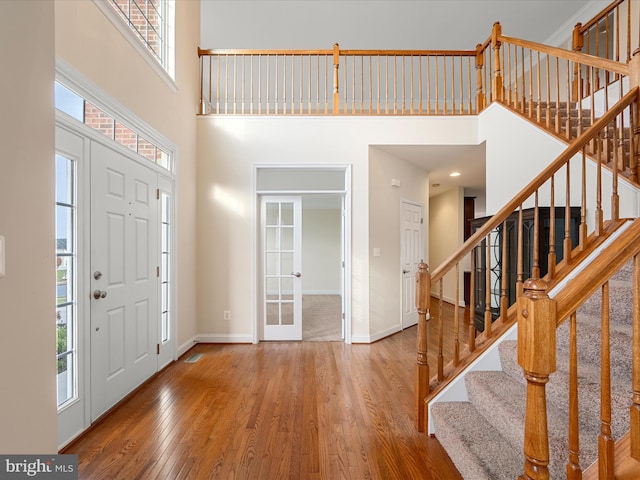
{"points": [[97, 275], [405, 271], [297, 274], [98, 294]]}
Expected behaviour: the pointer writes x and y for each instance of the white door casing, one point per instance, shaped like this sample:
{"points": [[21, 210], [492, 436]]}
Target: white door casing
{"points": [[411, 254], [124, 281], [281, 232]]}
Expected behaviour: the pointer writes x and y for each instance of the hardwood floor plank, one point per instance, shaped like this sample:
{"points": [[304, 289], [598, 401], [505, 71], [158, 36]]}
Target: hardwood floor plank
{"points": [[299, 410]]}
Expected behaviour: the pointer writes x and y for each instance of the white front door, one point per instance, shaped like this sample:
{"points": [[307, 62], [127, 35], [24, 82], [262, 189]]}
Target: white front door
{"points": [[411, 255], [281, 220], [124, 276]]}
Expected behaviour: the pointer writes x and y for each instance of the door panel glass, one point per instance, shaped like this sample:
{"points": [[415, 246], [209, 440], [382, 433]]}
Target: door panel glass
{"points": [[287, 214], [287, 239], [287, 313], [272, 238], [273, 214], [273, 313], [272, 263]]}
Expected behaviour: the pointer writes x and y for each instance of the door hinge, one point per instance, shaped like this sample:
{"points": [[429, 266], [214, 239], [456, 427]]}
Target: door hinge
{"points": [[342, 264], [158, 272], [158, 349], [421, 220], [157, 194]]}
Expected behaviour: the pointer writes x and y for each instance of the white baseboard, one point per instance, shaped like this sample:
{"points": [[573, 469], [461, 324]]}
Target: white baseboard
{"points": [[184, 348], [322, 292], [360, 339], [223, 338], [376, 336], [385, 333]]}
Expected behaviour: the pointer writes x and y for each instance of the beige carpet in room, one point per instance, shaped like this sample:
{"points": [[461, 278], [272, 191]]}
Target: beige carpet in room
{"points": [[321, 318]]}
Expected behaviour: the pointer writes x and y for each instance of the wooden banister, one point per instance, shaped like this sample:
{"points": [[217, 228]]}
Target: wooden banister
{"points": [[603, 13], [574, 148], [583, 58]]}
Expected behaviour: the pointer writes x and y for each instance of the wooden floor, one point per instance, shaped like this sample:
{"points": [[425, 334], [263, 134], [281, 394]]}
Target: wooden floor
{"points": [[298, 410]]}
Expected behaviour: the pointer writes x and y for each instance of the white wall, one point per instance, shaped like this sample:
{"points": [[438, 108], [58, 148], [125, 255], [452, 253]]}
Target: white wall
{"points": [[321, 250], [385, 275], [446, 235], [229, 147], [88, 41], [518, 151], [27, 342]]}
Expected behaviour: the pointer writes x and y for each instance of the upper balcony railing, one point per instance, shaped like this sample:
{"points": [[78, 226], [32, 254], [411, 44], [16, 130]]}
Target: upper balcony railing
{"points": [[341, 82]]}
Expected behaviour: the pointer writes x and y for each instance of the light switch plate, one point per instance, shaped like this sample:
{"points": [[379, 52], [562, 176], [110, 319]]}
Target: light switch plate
{"points": [[1, 256]]}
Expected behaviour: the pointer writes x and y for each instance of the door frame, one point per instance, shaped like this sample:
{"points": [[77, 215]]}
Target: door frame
{"points": [[403, 202], [345, 240], [90, 92]]}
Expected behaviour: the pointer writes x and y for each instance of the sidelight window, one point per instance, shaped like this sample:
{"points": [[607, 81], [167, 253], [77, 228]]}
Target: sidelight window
{"points": [[66, 275]]}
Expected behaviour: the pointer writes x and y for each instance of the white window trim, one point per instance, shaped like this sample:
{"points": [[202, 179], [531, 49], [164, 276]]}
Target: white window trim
{"points": [[74, 80], [168, 74]]}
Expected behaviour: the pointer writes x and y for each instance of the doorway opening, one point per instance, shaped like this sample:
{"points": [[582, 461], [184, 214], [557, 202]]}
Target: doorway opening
{"points": [[303, 275]]}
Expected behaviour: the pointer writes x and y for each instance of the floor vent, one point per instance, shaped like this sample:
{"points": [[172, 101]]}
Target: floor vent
{"points": [[193, 358]]}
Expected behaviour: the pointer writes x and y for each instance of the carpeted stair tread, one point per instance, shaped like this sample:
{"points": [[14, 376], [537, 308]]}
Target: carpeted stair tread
{"points": [[502, 401], [493, 419], [479, 451]]}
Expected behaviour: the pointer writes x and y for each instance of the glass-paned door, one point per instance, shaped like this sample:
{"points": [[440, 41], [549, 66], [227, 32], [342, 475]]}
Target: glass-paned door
{"points": [[66, 274], [281, 219]]}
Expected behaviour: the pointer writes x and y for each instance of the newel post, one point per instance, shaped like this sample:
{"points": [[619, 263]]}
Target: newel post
{"points": [[537, 357], [336, 86], [634, 81], [423, 297], [498, 87], [480, 100], [577, 42]]}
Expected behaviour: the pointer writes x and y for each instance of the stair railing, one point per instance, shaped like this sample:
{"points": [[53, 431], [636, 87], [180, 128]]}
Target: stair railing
{"points": [[553, 188], [609, 34], [538, 318], [544, 84]]}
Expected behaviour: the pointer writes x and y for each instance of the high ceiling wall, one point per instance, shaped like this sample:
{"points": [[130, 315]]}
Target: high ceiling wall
{"points": [[384, 24]]}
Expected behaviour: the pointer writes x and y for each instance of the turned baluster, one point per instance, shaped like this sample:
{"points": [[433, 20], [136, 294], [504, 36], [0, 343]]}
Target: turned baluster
{"points": [[423, 296], [498, 87], [577, 44], [537, 357], [606, 444], [574, 472], [336, 86], [480, 99]]}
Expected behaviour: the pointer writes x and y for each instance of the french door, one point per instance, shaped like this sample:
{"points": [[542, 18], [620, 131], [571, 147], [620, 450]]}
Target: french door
{"points": [[281, 221]]}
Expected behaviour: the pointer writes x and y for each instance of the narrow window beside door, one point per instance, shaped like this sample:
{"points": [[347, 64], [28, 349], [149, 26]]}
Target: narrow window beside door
{"points": [[66, 306]]}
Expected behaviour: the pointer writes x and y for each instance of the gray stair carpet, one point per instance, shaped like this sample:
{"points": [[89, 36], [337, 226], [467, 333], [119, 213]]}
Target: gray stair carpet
{"points": [[484, 436]]}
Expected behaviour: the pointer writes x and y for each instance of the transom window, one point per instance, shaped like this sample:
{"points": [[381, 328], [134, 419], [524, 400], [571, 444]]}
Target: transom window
{"points": [[77, 107]]}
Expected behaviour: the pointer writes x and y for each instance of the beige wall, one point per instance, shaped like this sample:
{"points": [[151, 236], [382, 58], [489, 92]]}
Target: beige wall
{"points": [[27, 340], [89, 42], [446, 234], [230, 147], [321, 250], [385, 285]]}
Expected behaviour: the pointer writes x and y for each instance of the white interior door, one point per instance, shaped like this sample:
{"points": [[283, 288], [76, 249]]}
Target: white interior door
{"points": [[124, 278], [411, 255], [281, 220]]}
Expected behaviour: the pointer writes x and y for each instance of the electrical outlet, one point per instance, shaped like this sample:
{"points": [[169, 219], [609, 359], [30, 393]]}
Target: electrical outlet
{"points": [[227, 314]]}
